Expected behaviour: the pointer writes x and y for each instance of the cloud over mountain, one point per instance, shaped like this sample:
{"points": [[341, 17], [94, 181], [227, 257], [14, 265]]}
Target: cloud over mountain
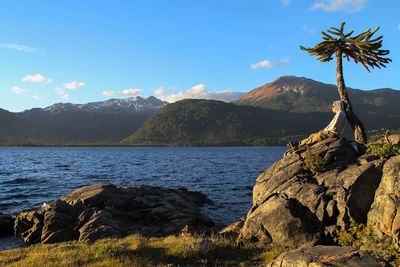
{"points": [[125, 92], [268, 64], [61, 91], [198, 91]]}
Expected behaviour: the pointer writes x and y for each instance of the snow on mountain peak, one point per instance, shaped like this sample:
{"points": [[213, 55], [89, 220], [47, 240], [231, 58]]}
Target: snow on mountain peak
{"points": [[114, 105]]}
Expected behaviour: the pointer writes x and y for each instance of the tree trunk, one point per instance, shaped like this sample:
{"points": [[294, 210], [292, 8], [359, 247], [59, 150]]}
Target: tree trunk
{"points": [[357, 126]]}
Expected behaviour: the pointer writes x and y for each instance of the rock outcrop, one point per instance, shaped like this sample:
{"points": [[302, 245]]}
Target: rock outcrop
{"points": [[384, 215], [321, 256], [105, 210], [394, 139], [293, 207]]}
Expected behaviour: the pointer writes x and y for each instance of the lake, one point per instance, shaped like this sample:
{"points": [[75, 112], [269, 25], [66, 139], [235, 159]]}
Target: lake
{"points": [[31, 176]]}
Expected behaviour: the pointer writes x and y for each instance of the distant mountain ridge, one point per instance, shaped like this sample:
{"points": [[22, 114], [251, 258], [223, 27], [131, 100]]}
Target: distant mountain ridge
{"points": [[194, 122], [300, 94], [287, 108], [132, 104], [104, 122]]}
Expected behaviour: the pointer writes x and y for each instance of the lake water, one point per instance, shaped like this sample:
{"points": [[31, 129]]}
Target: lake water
{"points": [[31, 176]]}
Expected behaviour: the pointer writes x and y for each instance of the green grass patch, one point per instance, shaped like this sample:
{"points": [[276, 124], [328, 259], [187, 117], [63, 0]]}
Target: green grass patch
{"points": [[136, 250]]}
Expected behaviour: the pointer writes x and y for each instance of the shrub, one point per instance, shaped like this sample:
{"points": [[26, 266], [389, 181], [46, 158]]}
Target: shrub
{"points": [[361, 236], [383, 149], [313, 162]]}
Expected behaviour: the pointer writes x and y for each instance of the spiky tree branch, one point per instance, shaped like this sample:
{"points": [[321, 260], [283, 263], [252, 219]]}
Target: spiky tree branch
{"points": [[363, 48]]}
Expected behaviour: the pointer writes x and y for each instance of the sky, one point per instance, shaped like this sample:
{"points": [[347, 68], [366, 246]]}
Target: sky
{"points": [[93, 50]]}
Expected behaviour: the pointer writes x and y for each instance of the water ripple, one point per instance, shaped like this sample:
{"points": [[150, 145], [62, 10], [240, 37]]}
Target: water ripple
{"points": [[30, 176]]}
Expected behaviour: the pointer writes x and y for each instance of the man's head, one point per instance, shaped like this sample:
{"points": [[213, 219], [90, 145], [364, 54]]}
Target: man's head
{"points": [[338, 106]]}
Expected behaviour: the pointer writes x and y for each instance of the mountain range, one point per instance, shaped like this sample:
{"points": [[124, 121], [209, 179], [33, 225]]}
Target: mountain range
{"points": [[287, 108], [103, 122], [195, 122], [300, 94]]}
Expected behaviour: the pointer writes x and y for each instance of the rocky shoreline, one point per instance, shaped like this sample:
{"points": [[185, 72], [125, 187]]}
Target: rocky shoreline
{"points": [[105, 210], [296, 207], [301, 203]]}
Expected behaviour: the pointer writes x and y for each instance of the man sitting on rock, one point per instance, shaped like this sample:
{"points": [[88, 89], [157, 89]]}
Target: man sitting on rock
{"points": [[334, 128]]}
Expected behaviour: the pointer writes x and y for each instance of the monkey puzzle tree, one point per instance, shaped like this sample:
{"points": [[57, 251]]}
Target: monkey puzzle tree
{"points": [[361, 49]]}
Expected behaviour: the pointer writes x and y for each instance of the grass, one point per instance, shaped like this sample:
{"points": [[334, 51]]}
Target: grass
{"points": [[137, 250]]}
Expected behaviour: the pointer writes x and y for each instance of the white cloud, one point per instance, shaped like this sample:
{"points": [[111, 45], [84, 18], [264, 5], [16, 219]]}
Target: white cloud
{"points": [[125, 92], [267, 64], [197, 92], [159, 91], [37, 78], [21, 48], [108, 93], [340, 5], [61, 92], [225, 95], [197, 89], [36, 97], [262, 64], [398, 27], [73, 85], [286, 2], [132, 92], [18, 90]]}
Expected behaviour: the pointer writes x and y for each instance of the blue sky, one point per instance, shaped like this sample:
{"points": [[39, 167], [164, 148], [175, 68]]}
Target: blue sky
{"points": [[85, 51]]}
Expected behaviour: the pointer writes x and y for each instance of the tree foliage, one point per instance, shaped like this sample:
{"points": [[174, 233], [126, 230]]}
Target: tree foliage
{"points": [[363, 48]]}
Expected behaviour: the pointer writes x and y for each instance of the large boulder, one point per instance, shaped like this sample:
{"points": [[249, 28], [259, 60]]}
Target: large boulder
{"points": [[28, 226], [105, 210], [321, 256], [293, 206], [281, 220], [384, 215]]}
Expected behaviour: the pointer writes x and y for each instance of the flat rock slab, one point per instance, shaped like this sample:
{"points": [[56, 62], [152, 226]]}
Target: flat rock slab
{"points": [[105, 210], [321, 256]]}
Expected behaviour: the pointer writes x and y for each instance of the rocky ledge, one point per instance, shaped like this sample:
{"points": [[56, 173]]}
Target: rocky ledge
{"points": [[105, 210], [307, 197]]}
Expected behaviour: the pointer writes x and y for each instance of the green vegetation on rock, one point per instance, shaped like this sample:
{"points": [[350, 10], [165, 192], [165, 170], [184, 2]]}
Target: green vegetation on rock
{"points": [[313, 162], [383, 149], [361, 236]]}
